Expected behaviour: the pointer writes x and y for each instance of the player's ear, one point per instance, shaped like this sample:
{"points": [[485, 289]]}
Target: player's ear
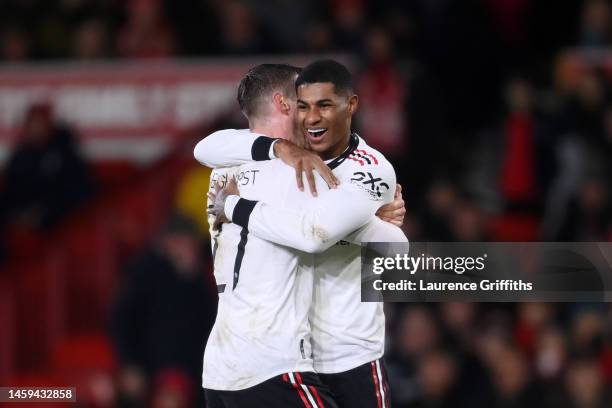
{"points": [[280, 103], [353, 103]]}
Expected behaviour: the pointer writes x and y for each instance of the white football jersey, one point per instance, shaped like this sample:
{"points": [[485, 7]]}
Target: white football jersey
{"points": [[345, 332], [265, 292]]}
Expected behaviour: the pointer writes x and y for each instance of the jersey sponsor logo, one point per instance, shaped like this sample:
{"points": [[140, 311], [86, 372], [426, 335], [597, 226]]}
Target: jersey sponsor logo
{"points": [[363, 157], [373, 185]]}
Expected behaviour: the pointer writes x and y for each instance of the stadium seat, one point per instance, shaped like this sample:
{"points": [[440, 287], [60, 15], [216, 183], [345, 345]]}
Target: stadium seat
{"points": [[87, 362], [87, 244], [39, 303], [115, 173]]}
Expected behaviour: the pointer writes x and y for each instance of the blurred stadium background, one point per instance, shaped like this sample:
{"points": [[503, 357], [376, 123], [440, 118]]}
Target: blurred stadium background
{"points": [[496, 114]]}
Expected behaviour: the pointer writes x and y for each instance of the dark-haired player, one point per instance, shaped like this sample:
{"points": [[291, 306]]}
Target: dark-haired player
{"points": [[347, 335]]}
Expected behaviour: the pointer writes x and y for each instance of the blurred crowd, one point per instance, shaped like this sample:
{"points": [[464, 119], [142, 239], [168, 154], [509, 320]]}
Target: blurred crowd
{"points": [[500, 355], [463, 96], [468, 101]]}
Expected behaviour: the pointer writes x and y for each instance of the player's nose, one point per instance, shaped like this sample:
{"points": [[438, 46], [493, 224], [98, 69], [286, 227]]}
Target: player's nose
{"points": [[313, 117]]}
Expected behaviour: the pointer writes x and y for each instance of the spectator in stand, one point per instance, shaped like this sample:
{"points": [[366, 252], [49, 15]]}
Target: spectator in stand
{"points": [[415, 335], [163, 313], [585, 386], [587, 332], [442, 197], [585, 162], [595, 27], [381, 90], [147, 33], [512, 380], [519, 183], [550, 361], [461, 332], [459, 320], [319, 37], [468, 221], [16, 45], [349, 19], [533, 317], [240, 30], [589, 215], [45, 178], [585, 111], [91, 40], [438, 378]]}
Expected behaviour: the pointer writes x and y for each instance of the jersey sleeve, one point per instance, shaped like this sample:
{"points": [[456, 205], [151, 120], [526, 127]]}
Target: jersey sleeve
{"points": [[232, 147], [321, 222], [377, 230]]}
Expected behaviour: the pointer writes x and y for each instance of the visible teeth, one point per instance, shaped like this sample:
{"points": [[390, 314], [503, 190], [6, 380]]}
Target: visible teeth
{"points": [[316, 131]]}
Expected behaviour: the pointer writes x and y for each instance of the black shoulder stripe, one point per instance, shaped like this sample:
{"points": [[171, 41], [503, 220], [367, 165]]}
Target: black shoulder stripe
{"points": [[260, 150], [242, 212]]}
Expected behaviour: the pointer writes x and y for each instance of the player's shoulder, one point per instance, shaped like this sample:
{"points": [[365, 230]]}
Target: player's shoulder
{"points": [[365, 156], [365, 162], [228, 132], [370, 170], [273, 165]]}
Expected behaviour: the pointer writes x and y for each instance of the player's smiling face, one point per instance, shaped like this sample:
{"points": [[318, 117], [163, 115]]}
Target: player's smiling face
{"points": [[324, 117]]}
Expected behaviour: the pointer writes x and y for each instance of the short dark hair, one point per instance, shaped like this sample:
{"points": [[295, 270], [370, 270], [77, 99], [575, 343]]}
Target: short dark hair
{"points": [[262, 80], [327, 71]]}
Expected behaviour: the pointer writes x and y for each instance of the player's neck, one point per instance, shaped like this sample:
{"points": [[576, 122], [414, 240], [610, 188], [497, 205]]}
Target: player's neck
{"points": [[273, 127], [336, 150]]}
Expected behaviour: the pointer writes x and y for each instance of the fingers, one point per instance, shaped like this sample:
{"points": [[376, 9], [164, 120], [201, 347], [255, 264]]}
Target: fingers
{"points": [[220, 219], [326, 173], [232, 187], [311, 181], [397, 223], [392, 206], [298, 176], [395, 213], [398, 191]]}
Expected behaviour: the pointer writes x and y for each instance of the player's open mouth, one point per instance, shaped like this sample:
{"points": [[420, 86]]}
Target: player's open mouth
{"points": [[316, 134]]}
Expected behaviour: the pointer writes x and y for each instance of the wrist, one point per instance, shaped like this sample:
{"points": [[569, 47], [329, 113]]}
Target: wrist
{"points": [[278, 146]]}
